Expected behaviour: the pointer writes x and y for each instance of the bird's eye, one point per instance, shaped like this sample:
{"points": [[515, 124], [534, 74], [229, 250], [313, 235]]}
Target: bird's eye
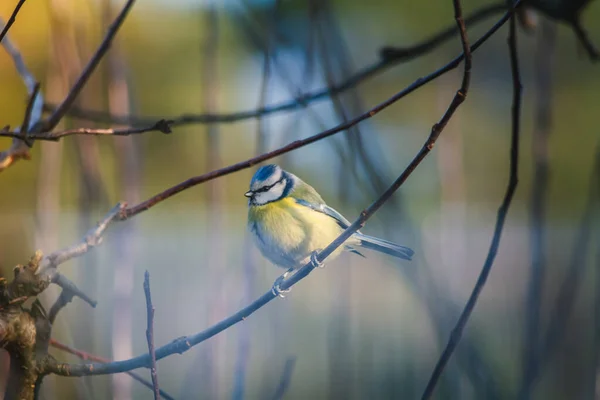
{"points": [[269, 187]]}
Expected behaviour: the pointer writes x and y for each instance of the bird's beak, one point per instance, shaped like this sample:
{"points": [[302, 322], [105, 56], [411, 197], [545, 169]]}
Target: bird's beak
{"points": [[248, 194]]}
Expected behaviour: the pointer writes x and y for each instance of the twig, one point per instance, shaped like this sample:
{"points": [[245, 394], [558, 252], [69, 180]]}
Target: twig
{"points": [[63, 299], [69, 290], [160, 126], [150, 335], [32, 279], [70, 287], [27, 118], [426, 46], [145, 205], [286, 377], [92, 238], [585, 40], [62, 109], [19, 148], [92, 357], [407, 54], [48, 267], [24, 72], [183, 344], [456, 334], [11, 20]]}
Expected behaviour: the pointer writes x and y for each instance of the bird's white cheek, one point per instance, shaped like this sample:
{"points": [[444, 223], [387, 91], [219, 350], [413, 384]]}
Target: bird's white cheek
{"points": [[273, 194]]}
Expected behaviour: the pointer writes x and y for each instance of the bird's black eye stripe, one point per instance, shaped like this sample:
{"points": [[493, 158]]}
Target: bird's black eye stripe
{"points": [[267, 188]]}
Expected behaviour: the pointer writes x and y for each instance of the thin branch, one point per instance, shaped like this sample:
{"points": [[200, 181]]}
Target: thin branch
{"points": [[27, 76], [183, 344], [69, 290], [27, 118], [92, 357], [92, 239], [286, 377], [11, 20], [160, 126], [585, 40], [456, 334], [150, 335], [19, 148], [32, 279], [70, 287], [62, 109], [433, 42], [401, 55], [61, 302], [145, 205]]}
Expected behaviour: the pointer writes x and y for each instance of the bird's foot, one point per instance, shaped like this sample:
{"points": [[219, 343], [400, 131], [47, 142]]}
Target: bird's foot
{"points": [[276, 290], [314, 260]]}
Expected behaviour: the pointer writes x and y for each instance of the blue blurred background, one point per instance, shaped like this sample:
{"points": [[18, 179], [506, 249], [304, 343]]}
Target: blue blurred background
{"points": [[360, 328]]}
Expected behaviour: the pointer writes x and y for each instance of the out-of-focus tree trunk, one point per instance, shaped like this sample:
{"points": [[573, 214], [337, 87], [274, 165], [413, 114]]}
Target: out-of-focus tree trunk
{"points": [[61, 74], [544, 61], [129, 161], [452, 211], [204, 374]]}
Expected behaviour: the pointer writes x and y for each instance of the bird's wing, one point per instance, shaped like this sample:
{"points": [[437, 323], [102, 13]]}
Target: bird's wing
{"points": [[325, 209]]}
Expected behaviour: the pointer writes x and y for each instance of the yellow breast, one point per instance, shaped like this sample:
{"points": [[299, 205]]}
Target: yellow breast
{"points": [[291, 230], [278, 221]]}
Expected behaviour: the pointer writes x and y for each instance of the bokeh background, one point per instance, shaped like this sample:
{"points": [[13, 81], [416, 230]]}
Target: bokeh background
{"points": [[359, 328]]}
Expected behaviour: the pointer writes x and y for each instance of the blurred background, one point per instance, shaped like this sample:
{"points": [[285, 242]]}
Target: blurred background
{"points": [[359, 328]]}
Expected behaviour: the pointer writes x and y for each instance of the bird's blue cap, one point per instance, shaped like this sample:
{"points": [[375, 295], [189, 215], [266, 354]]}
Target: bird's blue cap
{"points": [[263, 173]]}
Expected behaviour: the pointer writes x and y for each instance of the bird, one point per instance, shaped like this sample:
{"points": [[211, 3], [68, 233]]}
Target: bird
{"points": [[290, 223]]}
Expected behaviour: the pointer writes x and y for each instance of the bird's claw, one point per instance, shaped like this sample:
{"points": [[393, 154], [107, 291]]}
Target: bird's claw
{"points": [[315, 261], [276, 290]]}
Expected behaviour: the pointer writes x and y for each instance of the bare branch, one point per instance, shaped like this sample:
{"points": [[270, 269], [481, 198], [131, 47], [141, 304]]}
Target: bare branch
{"points": [[569, 11], [456, 334], [12, 19], [160, 126], [585, 40], [404, 53], [27, 118], [62, 109], [61, 302], [26, 75], [183, 344], [393, 56], [92, 238], [69, 290], [92, 357], [145, 205], [32, 279], [150, 335], [17, 151], [19, 148]]}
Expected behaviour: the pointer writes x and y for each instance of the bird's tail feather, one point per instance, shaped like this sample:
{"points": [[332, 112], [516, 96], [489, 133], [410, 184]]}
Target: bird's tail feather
{"points": [[384, 246]]}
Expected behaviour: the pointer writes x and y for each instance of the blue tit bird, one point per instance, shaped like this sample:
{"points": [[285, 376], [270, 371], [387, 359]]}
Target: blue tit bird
{"points": [[290, 223]]}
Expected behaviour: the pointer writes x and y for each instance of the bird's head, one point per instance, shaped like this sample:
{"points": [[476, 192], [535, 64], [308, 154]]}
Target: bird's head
{"points": [[269, 183]]}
